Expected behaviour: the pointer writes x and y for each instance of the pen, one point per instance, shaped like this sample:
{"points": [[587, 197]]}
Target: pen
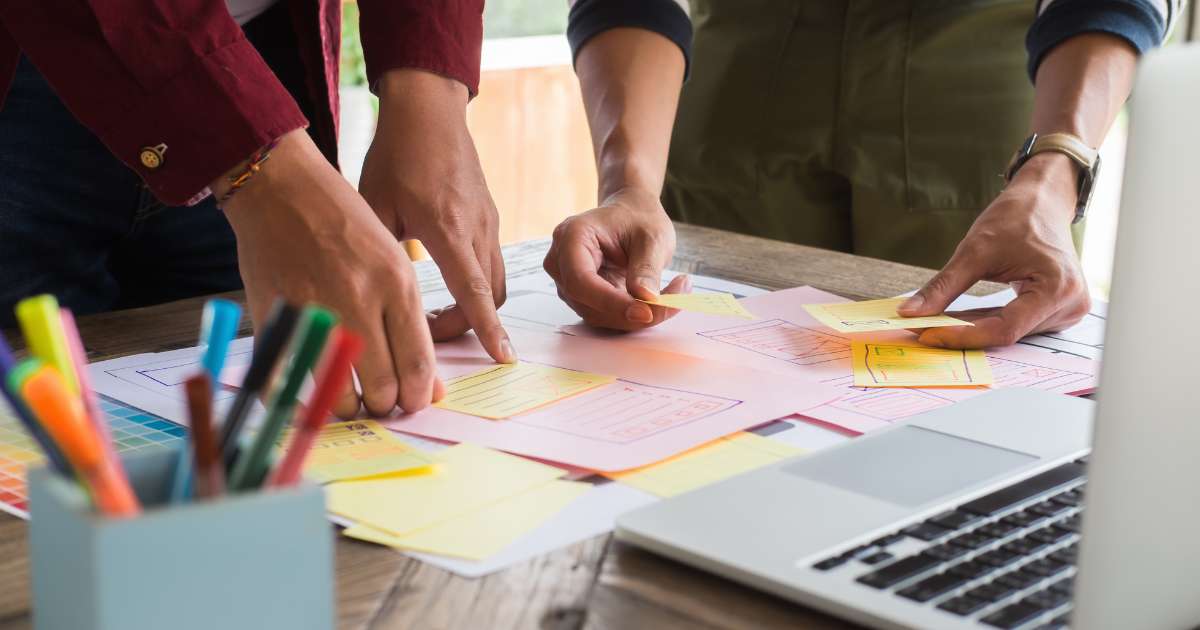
{"points": [[42, 325], [218, 327], [23, 413], [272, 338], [63, 415], [251, 466], [334, 374], [210, 478]]}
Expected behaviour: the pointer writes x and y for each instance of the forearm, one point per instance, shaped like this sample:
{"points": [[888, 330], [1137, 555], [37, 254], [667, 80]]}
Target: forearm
{"points": [[630, 80], [1081, 86]]}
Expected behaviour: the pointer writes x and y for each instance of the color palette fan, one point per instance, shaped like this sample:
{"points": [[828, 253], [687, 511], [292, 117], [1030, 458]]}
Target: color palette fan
{"points": [[132, 430]]}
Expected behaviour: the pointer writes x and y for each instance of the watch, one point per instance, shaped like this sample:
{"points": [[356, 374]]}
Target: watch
{"points": [[1071, 146]]}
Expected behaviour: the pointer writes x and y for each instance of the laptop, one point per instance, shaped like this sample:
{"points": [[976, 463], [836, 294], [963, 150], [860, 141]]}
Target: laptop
{"points": [[1011, 509]]}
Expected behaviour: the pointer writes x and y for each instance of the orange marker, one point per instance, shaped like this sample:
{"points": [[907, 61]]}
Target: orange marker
{"points": [[63, 416]]}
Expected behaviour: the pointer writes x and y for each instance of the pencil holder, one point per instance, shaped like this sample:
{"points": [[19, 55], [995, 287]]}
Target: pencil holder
{"points": [[253, 560]]}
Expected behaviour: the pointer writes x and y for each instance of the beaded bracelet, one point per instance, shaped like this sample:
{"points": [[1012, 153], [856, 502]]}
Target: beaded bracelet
{"points": [[253, 165]]}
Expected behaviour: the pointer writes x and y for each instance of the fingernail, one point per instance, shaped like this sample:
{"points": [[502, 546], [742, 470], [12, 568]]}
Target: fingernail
{"points": [[649, 284], [912, 303], [639, 313], [507, 352]]}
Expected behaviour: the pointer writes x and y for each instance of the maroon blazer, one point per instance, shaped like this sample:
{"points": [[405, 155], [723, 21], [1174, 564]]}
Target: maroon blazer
{"points": [[179, 76]]}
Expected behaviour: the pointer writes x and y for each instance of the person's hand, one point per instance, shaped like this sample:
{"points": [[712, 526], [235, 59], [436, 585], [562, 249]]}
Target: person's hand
{"points": [[1022, 238], [605, 259], [422, 177], [304, 233]]}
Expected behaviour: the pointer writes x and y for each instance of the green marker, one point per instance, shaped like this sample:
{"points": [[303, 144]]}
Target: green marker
{"points": [[251, 466]]}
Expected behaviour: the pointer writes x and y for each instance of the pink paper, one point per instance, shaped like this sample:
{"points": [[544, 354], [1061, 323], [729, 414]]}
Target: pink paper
{"points": [[785, 339], [662, 404]]}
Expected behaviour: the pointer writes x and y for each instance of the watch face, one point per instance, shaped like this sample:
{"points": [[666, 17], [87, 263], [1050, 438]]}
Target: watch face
{"points": [[1087, 185]]}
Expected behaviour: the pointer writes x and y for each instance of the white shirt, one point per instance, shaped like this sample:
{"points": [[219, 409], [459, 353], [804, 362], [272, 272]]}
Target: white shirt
{"points": [[245, 10]]}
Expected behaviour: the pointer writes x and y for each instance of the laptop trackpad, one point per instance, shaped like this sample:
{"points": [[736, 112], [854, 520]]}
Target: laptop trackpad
{"points": [[909, 466]]}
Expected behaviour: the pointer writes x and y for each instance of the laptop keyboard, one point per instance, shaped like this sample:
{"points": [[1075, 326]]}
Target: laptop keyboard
{"points": [[1006, 559]]}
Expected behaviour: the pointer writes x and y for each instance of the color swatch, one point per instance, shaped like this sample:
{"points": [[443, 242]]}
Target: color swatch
{"points": [[132, 430]]}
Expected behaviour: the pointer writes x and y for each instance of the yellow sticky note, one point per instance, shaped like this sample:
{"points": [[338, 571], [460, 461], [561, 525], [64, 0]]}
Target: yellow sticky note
{"points": [[504, 391], [709, 303], [710, 463], [486, 531], [466, 478], [899, 365], [360, 448], [849, 317]]}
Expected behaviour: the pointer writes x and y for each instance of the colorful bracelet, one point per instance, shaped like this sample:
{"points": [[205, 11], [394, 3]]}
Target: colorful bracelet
{"points": [[253, 165]]}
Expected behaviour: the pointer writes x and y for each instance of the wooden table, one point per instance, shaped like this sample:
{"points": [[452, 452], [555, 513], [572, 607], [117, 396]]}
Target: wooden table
{"points": [[596, 584]]}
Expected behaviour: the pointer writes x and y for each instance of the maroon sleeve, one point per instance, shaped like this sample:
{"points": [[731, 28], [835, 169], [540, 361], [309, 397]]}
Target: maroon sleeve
{"points": [[147, 73], [441, 36]]}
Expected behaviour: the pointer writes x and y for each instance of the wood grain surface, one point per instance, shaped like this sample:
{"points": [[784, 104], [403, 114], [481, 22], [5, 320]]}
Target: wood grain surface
{"points": [[597, 584]]}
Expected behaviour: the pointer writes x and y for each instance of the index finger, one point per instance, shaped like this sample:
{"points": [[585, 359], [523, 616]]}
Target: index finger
{"points": [[472, 293], [1002, 327]]}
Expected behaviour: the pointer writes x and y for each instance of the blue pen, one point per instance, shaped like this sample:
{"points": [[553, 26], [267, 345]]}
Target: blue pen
{"points": [[218, 327], [25, 415]]}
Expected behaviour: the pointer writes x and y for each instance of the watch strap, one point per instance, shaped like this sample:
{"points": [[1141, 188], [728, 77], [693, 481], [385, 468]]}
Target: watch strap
{"points": [[1070, 145]]}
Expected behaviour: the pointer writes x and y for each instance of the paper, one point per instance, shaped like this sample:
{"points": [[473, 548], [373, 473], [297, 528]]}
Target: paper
{"points": [[503, 391], [872, 315], [484, 532], [356, 449], [706, 464], [789, 341], [711, 303], [466, 478], [661, 404], [912, 365]]}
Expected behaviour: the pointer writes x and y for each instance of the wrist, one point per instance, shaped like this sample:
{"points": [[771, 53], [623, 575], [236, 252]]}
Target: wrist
{"points": [[1054, 174], [406, 90], [294, 164]]}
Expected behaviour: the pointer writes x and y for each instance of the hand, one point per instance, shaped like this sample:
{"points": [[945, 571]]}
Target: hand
{"points": [[303, 233], [423, 179], [1023, 238], [607, 258]]}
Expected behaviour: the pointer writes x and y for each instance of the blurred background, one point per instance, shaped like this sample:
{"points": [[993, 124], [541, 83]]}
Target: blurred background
{"points": [[532, 136]]}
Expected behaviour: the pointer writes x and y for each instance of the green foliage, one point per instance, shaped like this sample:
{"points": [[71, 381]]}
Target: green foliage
{"points": [[522, 18], [354, 68]]}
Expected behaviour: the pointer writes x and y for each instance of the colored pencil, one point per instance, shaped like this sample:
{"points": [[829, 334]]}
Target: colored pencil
{"points": [[332, 378], [269, 345], [210, 476], [249, 471], [63, 415]]}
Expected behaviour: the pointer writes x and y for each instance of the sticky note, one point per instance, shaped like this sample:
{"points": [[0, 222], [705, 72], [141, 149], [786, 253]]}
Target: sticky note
{"points": [[899, 365], [361, 448], [466, 478], [504, 391], [486, 531], [710, 463], [849, 317], [708, 303]]}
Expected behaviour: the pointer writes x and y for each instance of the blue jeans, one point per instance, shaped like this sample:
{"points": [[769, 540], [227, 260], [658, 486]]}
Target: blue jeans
{"points": [[77, 223]]}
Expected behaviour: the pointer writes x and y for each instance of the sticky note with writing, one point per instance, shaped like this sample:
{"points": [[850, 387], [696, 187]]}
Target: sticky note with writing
{"points": [[709, 303], [899, 365], [503, 391], [873, 315], [356, 449]]}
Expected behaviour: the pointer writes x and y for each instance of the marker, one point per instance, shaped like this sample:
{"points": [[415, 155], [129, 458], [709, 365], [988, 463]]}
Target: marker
{"points": [[218, 327], [210, 477], [334, 375], [64, 418], [91, 404], [23, 413], [251, 466], [269, 345], [42, 325]]}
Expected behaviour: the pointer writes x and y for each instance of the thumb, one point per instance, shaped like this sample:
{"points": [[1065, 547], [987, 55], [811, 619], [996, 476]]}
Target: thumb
{"points": [[955, 278], [643, 277]]}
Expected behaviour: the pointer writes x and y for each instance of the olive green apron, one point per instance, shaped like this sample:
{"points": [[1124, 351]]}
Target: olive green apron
{"points": [[877, 127]]}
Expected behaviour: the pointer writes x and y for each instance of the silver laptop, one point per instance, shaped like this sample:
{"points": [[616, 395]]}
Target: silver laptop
{"points": [[992, 512]]}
